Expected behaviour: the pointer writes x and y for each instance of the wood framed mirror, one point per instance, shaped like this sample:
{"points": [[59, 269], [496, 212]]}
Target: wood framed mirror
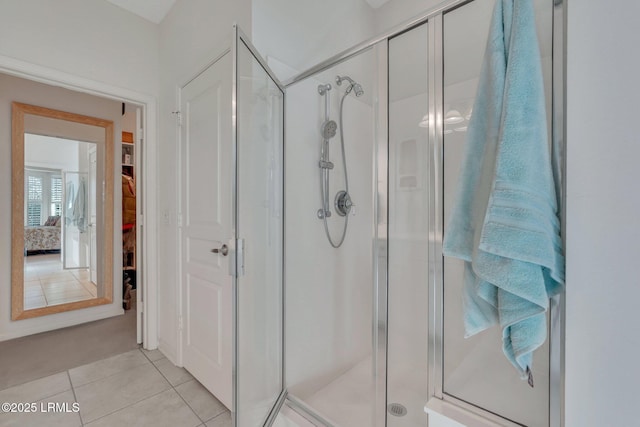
{"points": [[62, 211]]}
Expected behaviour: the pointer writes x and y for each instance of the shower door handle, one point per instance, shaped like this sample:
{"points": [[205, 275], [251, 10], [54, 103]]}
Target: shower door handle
{"points": [[224, 250]]}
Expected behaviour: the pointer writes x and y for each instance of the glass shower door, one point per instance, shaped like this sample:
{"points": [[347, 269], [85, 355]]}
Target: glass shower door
{"points": [[408, 237], [258, 102]]}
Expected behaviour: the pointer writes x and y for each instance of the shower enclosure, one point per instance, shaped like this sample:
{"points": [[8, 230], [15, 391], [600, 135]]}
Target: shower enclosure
{"points": [[347, 314]]}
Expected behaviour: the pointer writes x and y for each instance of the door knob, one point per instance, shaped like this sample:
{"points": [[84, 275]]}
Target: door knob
{"points": [[224, 250]]}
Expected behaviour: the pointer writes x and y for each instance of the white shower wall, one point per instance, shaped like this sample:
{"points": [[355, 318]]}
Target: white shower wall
{"points": [[329, 291]]}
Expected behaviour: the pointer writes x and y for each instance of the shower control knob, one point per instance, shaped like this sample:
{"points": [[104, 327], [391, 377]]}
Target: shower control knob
{"points": [[343, 203], [224, 250]]}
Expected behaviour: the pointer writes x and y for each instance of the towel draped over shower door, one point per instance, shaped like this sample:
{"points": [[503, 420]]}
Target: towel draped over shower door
{"points": [[505, 224]]}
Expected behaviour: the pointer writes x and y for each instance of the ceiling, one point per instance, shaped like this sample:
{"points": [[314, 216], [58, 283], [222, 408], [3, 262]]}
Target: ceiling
{"points": [[151, 10]]}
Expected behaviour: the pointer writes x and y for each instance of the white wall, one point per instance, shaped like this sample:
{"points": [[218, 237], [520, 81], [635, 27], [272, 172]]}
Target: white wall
{"points": [[89, 38], [53, 153], [396, 12], [193, 34], [301, 33], [20, 90], [603, 208], [129, 120]]}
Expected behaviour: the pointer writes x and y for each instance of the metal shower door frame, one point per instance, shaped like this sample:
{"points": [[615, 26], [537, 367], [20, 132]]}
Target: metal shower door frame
{"points": [[240, 39]]}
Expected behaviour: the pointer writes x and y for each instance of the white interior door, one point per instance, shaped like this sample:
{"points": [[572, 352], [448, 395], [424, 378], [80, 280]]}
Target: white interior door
{"points": [[205, 224]]}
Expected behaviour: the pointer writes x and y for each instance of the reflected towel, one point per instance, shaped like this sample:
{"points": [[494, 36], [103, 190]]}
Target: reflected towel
{"points": [[504, 223], [80, 207]]}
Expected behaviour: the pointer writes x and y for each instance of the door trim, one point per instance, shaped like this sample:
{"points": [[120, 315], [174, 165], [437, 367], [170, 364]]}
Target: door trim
{"points": [[148, 103]]}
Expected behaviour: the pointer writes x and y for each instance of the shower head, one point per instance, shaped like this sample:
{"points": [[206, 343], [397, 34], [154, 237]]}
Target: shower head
{"points": [[329, 129], [356, 87], [340, 79]]}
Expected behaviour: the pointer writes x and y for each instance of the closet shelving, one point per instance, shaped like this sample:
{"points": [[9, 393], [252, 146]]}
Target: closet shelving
{"points": [[128, 226]]}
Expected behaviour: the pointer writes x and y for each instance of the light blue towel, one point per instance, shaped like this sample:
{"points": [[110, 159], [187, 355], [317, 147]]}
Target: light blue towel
{"points": [[504, 223]]}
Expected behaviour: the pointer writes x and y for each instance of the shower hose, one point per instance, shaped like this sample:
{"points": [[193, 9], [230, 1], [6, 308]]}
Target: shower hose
{"points": [[323, 184]]}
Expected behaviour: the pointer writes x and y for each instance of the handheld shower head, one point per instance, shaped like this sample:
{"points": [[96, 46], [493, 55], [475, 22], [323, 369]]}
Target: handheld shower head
{"points": [[356, 87], [329, 129]]}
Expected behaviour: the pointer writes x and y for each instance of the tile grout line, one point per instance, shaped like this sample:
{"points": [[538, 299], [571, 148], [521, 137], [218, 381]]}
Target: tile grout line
{"points": [[75, 398], [36, 379], [141, 350], [75, 367], [111, 375], [181, 397], [203, 422], [219, 415], [134, 403], [128, 406], [176, 391]]}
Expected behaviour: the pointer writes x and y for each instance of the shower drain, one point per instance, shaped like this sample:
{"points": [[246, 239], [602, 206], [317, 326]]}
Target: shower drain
{"points": [[397, 409]]}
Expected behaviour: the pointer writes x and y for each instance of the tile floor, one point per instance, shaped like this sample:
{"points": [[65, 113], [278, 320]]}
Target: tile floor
{"points": [[46, 283], [136, 388]]}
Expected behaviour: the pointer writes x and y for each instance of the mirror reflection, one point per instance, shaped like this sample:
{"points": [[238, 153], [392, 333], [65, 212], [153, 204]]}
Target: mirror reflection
{"points": [[62, 211], [60, 263]]}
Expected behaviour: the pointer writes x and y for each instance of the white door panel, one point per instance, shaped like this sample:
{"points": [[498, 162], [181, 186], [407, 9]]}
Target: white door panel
{"points": [[205, 208]]}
